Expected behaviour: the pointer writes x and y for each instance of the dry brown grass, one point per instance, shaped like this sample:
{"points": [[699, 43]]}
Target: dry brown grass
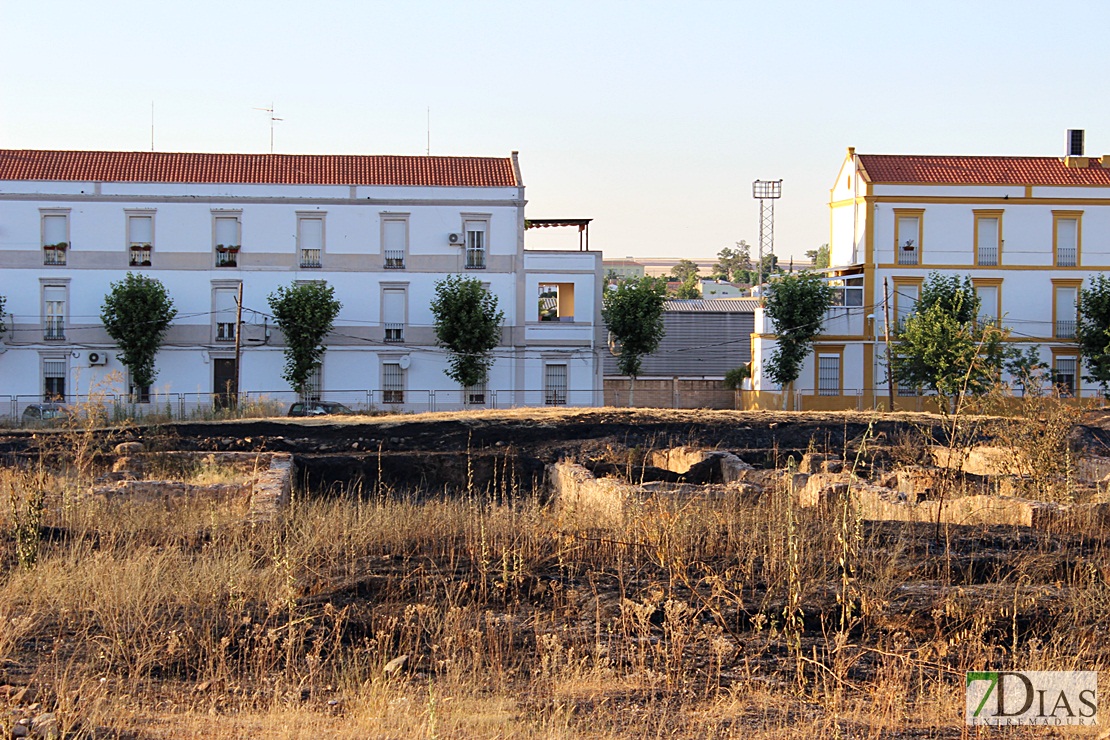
{"points": [[520, 621]]}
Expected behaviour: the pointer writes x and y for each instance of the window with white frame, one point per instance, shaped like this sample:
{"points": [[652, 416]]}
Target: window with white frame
{"points": [[55, 236], [1065, 311], [393, 382], [54, 311], [54, 371], [140, 238], [847, 292], [393, 313], [225, 309], [828, 375], [310, 239], [1066, 238], [555, 384], [395, 238], [227, 232], [988, 238], [477, 237]]}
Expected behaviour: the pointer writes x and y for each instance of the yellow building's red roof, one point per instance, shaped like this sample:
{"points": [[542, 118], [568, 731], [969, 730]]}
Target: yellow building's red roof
{"points": [[958, 170]]}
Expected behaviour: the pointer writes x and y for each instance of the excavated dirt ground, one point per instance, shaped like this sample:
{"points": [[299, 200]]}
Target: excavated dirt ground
{"points": [[967, 567], [431, 451]]}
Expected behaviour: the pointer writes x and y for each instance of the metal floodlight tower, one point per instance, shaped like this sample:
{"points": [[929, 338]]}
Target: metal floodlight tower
{"points": [[766, 192]]}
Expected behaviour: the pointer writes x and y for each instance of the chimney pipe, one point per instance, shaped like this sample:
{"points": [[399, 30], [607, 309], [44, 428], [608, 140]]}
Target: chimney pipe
{"points": [[1075, 142]]}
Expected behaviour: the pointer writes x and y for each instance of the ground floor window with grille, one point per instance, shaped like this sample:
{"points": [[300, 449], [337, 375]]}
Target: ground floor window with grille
{"points": [[828, 375], [393, 383], [475, 395], [555, 385], [1063, 376], [54, 379]]}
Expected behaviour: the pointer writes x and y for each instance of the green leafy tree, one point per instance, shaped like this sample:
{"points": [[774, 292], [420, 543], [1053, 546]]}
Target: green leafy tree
{"points": [[943, 347], [1092, 331], [734, 378], [819, 257], [796, 304], [305, 313], [468, 324], [734, 264], [633, 313], [137, 312], [684, 270], [689, 288]]}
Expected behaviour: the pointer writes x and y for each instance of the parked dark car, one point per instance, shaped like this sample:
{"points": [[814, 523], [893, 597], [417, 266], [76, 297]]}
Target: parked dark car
{"points": [[44, 414], [318, 408]]}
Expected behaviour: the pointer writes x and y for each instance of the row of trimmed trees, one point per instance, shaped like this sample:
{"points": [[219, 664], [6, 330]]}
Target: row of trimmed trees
{"points": [[943, 345], [138, 311]]}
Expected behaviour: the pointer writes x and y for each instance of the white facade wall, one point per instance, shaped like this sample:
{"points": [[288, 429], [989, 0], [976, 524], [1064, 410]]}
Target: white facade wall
{"points": [[352, 261]]}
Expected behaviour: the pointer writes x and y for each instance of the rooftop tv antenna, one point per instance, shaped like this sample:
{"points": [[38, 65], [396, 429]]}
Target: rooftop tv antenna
{"points": [[766, 192], [270, 110]]}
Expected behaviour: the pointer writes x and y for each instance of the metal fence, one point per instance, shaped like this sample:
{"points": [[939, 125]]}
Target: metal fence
{"points": [[14, 410]]}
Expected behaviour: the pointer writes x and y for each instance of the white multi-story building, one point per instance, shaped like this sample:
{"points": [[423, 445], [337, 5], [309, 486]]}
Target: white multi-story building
{"points": [[382, 230], [1028, 231]]}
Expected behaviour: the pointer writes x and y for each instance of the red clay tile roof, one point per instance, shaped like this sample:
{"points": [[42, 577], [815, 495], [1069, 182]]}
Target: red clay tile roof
{"points": [[283, 169], [946, 170]]}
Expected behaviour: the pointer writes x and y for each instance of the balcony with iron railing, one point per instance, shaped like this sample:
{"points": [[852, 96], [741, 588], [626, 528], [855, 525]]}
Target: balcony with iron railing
{"points": [[394, 259], [310, 258], [394, 332], [1067, 257], [54, 254], [225, 331], [227, 256], [475, 258], [53, 328], [139, 255], [1065, 329], [988, 255], [908, 254]]}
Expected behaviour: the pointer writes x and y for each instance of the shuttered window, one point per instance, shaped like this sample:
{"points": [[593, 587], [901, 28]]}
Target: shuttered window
{"points": [[987, 240], [226, 310], [1065, 312], [394, 242], [393, 314], [310, 240], [54, 378], [1067, 242]]}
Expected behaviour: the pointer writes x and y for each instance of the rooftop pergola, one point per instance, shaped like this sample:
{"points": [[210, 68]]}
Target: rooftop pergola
{"points": [[583, 225]]}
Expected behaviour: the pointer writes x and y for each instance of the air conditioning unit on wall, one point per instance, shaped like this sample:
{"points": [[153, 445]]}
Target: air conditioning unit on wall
{"points": [[455, 239], [98, 358]]}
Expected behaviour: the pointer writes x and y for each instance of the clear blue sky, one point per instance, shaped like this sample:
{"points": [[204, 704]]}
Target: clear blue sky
{"points": [[652, 118]]}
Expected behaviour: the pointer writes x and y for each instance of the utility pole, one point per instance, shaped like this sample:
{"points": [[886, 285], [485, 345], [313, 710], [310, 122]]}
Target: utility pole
{"points": [[886, 336], [238, 343]]}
